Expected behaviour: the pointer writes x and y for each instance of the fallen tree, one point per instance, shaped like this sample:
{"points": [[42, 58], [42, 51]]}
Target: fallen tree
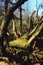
{"points": [[34, 29], [24, 42]]}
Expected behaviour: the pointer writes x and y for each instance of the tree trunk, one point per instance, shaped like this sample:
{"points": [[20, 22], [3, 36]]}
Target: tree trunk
{"points": [[13, 25], [20, 19], [6, 6], [31, 21]]}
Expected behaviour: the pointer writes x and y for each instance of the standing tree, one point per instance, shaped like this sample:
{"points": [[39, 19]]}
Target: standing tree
{"points": [[21, 19]]}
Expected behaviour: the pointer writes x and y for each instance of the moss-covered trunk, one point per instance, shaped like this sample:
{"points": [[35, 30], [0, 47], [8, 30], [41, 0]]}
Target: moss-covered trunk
{"points": [[23, 42]]}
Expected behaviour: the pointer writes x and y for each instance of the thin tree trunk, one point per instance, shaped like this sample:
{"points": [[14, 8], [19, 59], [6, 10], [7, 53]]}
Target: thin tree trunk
{"points": [[13, 25], [31, 21], [20, 19], [6, 6]]}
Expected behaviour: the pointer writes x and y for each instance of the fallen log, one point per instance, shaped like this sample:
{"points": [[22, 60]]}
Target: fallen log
{"points": [[24, 42], [20, 41]]}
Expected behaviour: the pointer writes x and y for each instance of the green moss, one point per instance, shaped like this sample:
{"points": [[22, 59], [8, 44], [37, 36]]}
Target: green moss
{"points": [[20, 42]]}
